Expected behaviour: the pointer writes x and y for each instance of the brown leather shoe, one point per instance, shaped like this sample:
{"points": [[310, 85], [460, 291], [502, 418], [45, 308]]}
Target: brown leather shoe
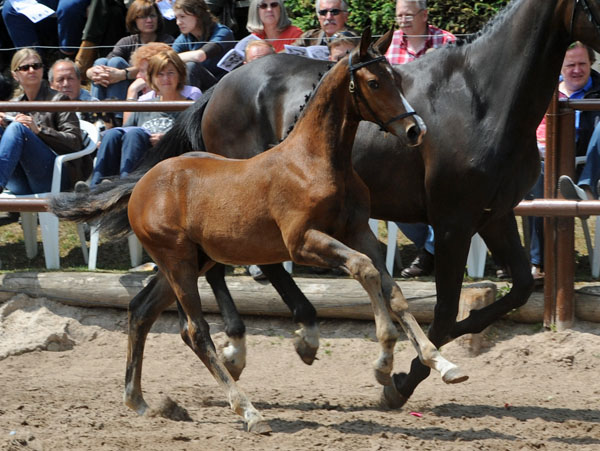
{"points": [[421, 266]]}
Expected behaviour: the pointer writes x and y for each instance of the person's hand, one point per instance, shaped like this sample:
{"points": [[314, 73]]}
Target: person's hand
{"points": [[155, 138], [99, 75], [28, 122], [139, 84]]}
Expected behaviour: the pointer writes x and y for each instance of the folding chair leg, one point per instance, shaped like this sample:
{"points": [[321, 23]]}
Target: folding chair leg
{"points": [[49, 226], [588, 240], [390, 256], [82, 240], [29, 224], [288, 266], [93, 252], [596, 251], [374, 224], [476, 257], [135, 250]]}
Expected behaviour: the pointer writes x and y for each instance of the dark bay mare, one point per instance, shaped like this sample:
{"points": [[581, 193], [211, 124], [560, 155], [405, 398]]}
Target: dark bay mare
{"points": [[481, 101], [301, 200]]}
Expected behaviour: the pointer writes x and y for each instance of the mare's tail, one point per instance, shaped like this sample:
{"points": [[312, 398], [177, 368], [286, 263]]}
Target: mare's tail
{"points": [[106, 204], [184, 136]]}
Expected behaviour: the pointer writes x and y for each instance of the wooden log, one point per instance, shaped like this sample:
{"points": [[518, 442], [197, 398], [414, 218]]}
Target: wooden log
{"points": [[341, 298], [474, 298]]}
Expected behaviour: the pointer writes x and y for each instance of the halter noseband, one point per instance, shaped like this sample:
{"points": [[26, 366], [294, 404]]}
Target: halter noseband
{"points": [[588, 12], [352, 87]]}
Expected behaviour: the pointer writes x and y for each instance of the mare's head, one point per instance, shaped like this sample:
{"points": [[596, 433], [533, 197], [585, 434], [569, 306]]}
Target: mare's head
{"points": [[375, 88], [582, 21]]}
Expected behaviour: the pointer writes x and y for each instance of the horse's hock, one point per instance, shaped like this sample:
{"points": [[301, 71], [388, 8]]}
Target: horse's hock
{"points": [[473, 297]]}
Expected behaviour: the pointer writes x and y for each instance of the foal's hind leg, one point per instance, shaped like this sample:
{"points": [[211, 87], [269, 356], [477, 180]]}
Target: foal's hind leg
{"points": [[233, 354], [144, 309], [303, 312]]}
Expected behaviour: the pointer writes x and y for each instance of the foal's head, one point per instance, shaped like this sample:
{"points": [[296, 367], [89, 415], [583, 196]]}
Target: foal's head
{"points": [[375, 88]]}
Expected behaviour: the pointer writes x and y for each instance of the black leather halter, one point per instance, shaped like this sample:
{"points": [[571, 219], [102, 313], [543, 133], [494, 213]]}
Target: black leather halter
{"points": [[352, 87], [588, 12]]}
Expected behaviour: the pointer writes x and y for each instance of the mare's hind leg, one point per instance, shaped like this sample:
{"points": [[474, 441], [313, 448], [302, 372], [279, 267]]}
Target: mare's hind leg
{"points": [[502, 238], [303, 312], [233, 354], [180, 265], [144, 309]]}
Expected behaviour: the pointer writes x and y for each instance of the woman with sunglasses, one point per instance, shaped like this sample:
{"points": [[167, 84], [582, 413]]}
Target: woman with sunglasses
{"points": [[268, 20], [30, 142], [202, 43], [111, 76]]}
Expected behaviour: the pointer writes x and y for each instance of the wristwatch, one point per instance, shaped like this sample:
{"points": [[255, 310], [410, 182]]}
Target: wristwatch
{"points": [[126, 73]]}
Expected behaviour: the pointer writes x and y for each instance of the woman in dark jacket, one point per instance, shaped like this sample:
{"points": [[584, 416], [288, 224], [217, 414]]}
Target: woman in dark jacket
{"points": [[30, 142]]}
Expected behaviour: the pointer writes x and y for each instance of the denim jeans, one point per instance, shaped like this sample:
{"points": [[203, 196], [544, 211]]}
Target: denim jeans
{"points": [[536, 224], [70, 20], [116, 90], [26, 162], [120, 152], [591, 170], [420, 234]]}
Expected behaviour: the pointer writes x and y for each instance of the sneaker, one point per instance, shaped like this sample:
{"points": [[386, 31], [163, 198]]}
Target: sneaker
{"points": [[502, 273], [538, 274], [81, 187], [421, 266], [570, 190], [256, 273]]}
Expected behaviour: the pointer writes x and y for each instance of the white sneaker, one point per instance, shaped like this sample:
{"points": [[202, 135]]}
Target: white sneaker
{"points": [[569, 190]]}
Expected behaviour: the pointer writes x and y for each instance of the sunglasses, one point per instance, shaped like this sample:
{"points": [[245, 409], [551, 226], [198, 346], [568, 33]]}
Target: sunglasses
{"points": [[26, 67], [333, 11], [149, 16], [273, 5]]}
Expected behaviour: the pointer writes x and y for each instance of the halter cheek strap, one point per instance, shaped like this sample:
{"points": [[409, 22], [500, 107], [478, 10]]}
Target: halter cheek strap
{"points": [[588, 12], [352, 87]]}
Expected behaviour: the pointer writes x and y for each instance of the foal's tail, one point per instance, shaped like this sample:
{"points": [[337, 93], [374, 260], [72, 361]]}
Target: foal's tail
{"points": [[106, 204]]}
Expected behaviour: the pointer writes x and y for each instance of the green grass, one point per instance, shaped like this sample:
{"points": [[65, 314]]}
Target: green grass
{"points": [[114, 256]]}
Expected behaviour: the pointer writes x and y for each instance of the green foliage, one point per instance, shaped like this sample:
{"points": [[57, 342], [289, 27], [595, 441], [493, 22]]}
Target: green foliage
{"points": [[459, 16]]}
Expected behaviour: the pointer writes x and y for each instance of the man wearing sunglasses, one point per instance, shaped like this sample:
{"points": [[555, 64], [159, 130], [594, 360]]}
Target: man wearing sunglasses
{"points": [[415, 36], [332, 15]]}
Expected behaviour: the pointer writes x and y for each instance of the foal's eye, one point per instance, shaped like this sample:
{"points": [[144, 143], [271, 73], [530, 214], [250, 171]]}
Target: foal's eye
{"points": [[373, 84]]}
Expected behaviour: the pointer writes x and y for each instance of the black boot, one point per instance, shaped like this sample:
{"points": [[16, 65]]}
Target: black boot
{"points": [[421, 266]]}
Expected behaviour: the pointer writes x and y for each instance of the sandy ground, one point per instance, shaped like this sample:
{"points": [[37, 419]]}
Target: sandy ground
{"points": [[62, 371]]}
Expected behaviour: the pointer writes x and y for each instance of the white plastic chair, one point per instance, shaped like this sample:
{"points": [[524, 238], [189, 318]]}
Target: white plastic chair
{"points": [[48, 221]]}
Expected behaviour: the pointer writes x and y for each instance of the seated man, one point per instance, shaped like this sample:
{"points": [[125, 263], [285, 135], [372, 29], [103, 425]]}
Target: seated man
{"points": [[341, 43], [332, 15], [64, 76], [257, 49]]}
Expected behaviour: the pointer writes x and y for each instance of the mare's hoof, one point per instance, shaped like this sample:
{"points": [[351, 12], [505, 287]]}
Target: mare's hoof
{"points": [[307, 353], [382, 378], [259, 427], [391, 398], [454, 376], [234, 370]]}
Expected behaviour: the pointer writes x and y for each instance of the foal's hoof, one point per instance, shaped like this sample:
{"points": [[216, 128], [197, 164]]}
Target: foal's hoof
{"points": [[383, 378], [259, 427], [454, 376], [306, 352], [391, 398]]}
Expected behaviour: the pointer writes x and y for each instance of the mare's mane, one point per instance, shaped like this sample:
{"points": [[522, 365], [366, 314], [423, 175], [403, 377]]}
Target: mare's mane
{"points": [[496, 21]]}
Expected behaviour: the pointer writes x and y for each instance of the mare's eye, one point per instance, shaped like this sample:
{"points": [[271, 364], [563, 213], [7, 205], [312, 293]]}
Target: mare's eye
{"points": [[373, 84]]}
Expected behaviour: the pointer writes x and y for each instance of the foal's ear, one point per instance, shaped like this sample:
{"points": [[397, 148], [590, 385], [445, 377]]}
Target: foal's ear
{"points": [[365, 41], [384, 42]]}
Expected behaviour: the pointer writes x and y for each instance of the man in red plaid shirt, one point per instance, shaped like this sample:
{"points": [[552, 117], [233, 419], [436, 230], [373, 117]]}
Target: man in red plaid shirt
{"points": [[415, 37]]}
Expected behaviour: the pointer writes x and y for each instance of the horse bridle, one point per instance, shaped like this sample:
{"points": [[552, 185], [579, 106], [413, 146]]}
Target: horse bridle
{"points": [[588, 12], [352, 87]]}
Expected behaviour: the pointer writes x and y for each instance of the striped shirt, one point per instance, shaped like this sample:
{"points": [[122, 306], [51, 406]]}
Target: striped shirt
{"points": [[399, 53]]}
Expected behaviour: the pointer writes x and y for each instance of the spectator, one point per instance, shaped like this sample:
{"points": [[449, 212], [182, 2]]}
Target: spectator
{"points": [[257, 49], [202, 43], [268, 20], [577, 81], [29, 143], [104, 26], [111, 76], [332, 15], [140, 89], [123, 148], [414, 38], [68, 24], [64, 76], [341, 44]]}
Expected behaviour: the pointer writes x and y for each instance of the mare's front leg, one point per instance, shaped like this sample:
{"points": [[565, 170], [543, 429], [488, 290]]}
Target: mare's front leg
{"points": [[303, 312], [502, 238], [233, 354]]}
